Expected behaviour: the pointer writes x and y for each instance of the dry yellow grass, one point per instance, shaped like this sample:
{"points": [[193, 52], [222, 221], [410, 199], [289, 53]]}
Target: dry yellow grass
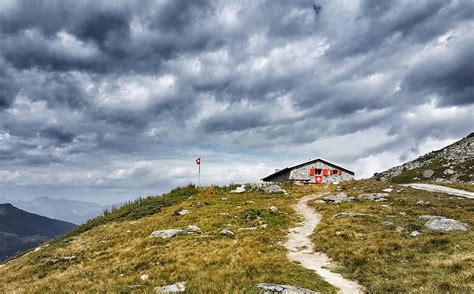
{"points": [[387, 261], [112, 257]]}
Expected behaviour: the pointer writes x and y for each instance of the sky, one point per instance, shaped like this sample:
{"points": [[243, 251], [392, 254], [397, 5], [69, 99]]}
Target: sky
{"points": [[106, 101]]}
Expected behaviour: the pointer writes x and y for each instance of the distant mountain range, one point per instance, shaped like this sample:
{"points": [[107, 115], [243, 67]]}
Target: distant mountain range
{"points": [[453, 163], [21, 230], [72, 211]]}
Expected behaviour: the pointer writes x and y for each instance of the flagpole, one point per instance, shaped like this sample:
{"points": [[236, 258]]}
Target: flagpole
{"points": [[199, 172]]}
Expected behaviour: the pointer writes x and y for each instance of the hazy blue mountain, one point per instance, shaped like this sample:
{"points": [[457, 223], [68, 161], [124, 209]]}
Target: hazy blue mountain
{"points": [[21, 230], [73, 211]]}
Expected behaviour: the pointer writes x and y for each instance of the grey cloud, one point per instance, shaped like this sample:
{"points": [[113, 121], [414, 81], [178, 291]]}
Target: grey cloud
{"points": [[91, 82]]}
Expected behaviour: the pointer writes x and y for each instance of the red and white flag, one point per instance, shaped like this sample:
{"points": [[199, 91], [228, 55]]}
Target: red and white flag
{"points": [[198, 161]]}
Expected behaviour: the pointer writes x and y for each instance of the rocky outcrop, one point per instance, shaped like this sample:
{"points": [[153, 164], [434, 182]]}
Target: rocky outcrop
{"points": [[274, 189], [454, 163]]}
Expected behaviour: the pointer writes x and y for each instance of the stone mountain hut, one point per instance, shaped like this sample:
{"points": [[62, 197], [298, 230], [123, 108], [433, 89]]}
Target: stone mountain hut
{"points": [[313, 171]]}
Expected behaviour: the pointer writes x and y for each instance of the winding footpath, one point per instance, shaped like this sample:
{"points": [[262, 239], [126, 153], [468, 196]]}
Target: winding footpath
{"points": [[442, 189], [301, 249]]}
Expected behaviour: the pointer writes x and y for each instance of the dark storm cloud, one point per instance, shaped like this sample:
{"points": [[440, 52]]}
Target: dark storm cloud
{"points": [[109, 86], [451, 75]]}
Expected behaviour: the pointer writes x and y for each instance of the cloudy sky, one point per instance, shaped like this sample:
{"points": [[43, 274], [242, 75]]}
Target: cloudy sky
{"points": [[110, 100]]}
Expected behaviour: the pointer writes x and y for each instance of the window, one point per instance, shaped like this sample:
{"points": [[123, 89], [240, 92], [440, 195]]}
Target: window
{"points": [[334, 172], [318, 171]]}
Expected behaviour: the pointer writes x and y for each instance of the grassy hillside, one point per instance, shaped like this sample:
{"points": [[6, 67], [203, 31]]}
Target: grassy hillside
{"points": [[113, 251], [385, 260]]}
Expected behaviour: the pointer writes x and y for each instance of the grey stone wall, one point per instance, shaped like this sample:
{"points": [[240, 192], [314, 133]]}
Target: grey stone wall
{"points": [[302, 173]]}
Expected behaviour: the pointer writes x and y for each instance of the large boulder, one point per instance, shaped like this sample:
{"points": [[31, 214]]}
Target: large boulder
{"points": [[339, 198], [167, 233], [274, 189], [428, 173], [267, 288], [239, 190], [349, 214], [440, 223]]}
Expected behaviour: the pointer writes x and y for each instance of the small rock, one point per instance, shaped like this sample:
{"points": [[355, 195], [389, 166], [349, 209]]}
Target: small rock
{"points": [[440, 223], [448, 171], [273, 209], [399, 229], [348, 214], [224, 198], [248, 229], [402, 213], [167, 233], [174, 288], [264, 226], [274, 189], [250, 202], [181, 211], [415, 234], [421, 202], [386, 206], [388, 224], [388, 190], [428, 173], [373, 196], [227, 233], [192, 229], [144, 277], [335, 183], [37, 249], [267, 288], [200, 204]]}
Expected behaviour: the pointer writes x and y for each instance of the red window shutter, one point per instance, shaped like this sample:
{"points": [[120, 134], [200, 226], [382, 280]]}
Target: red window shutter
{"points": [[311, 171], [325, 172], [340, 172]]}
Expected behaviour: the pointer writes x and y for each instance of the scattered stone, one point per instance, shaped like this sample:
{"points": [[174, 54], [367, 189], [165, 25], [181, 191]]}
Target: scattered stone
{"points": [[339, 198], [273, 209], [448, 171], [65, 258], [181, 211], [388, 224], [421, 202], [2, 265], [37, 249], [428, 173], [250, 202], [319, 201], [239, 190], [174, 288], [274, 189], [227, 233], [264, 226], [335, 183], [349, 214], [388, 190], [415, 234], [192, 229], [167, 233], [144, 277], [200, 204], [399, 229], [267, 288], [386, 206], [224, 198], [440, 223], [402, 213], [248, 229], [373, 196], [224, 213]]}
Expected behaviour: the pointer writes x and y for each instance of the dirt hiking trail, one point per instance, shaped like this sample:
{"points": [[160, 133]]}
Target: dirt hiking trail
{"points": [[301, 249]]}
